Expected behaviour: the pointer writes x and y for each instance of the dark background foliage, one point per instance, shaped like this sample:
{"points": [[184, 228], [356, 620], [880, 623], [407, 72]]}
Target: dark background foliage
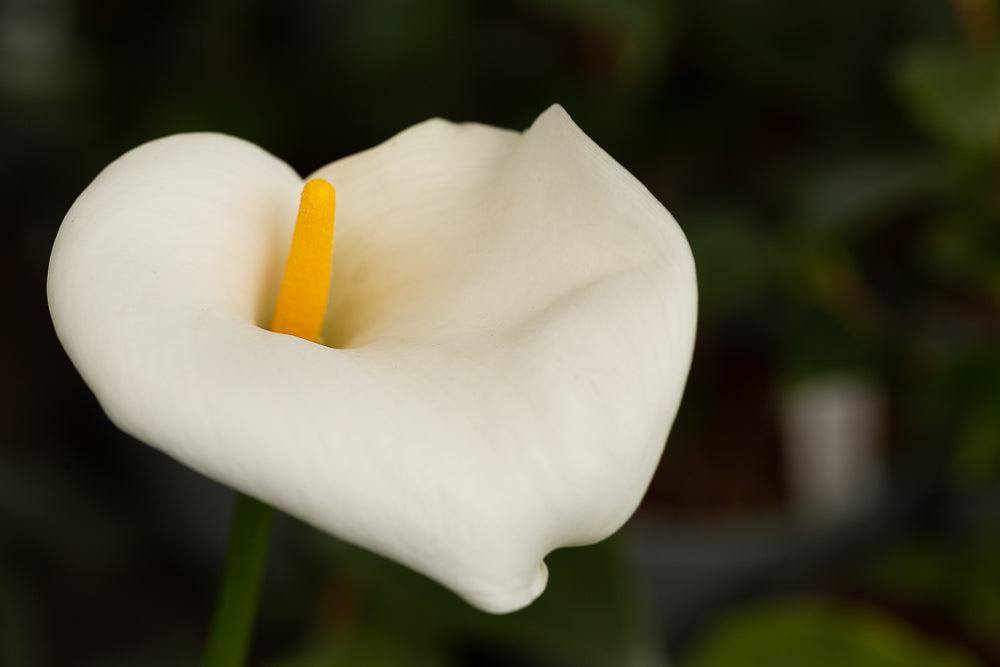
{"points": [[834, 165]]}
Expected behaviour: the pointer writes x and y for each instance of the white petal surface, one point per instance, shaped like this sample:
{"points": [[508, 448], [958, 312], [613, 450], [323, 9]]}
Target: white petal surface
{"points": [[510, 327]]}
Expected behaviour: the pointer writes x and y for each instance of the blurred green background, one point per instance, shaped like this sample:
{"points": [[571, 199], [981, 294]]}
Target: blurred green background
{"points": [[829, 495]]}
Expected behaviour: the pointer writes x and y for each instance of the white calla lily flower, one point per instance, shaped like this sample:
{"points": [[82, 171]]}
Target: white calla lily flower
{"points": [[510, 325]]}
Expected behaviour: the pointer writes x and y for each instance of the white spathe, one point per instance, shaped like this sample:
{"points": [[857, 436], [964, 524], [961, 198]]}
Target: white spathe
{"points": [[510, 326]]}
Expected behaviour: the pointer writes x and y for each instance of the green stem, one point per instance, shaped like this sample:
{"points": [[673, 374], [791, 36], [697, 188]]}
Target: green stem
{"points": [[236, 607]]}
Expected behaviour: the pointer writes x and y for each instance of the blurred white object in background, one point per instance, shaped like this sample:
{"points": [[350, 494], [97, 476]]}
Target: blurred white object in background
{"points": [[834, 426]]}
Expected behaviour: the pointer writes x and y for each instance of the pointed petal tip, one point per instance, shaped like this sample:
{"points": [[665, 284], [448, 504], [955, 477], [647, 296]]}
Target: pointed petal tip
{"points": [[555, 110], [554, 115]]}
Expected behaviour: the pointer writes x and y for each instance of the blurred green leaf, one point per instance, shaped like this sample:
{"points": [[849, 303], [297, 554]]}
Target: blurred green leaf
{"points": [[368, 649], [954, 578], [793, 633], [976, 461], [955, 94], [959, 400], [19, 615], [588, 616], [733, 259], [843, 198], [834, 322], [962, 250]]}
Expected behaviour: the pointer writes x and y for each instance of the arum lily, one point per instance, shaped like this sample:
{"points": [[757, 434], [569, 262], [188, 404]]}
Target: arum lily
{"points": [[509, 327]]}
